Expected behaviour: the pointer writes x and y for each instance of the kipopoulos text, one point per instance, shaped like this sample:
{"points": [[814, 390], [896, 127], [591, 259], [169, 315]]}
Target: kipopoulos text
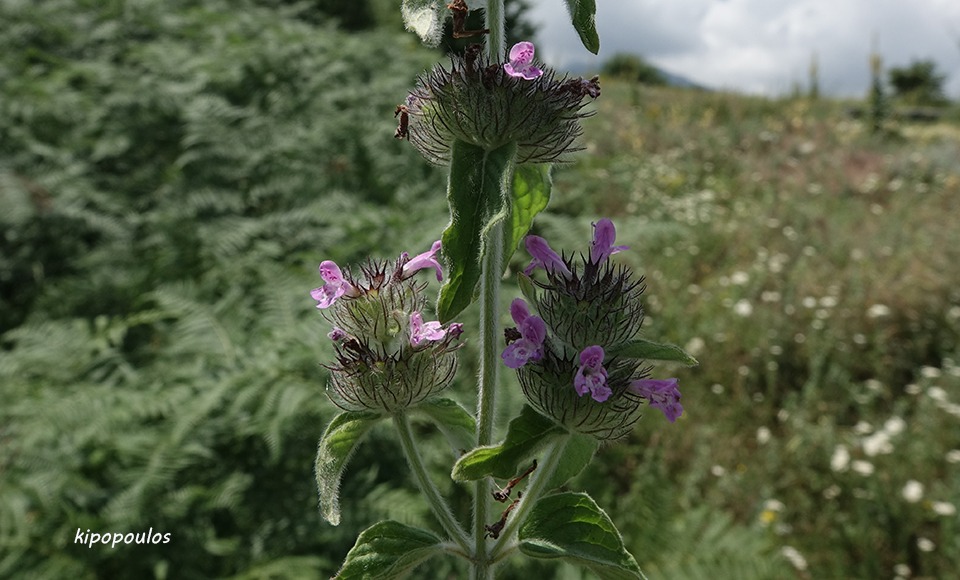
{"points": [[91, 539]]}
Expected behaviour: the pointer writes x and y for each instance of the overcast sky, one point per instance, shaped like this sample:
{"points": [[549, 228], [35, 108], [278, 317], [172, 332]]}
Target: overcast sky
{"points": [[762, 46]]}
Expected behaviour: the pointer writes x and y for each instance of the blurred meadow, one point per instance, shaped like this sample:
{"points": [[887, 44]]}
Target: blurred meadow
{"points": [[172, 173]]}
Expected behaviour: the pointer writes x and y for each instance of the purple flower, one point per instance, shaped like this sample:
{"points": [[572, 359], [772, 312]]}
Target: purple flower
{"points": [[521, 62], [424, 260], [592, 376], [543, 257], [533, 331], [337, 334], [662, 394], [602, 246], [421, 331], [334, 285]]}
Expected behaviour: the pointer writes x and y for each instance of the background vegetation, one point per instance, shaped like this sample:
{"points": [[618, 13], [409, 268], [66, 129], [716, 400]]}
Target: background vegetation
{"points": [[172, 173]]}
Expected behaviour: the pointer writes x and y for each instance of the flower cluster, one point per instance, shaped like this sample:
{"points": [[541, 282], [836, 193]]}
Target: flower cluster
{"points": [[388, 357], [490, 105], [587, 311]]}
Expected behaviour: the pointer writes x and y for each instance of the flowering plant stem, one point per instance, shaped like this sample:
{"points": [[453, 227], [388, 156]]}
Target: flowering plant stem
{"points": [[440, 508], [545, 470], [489, 366], [491, 264]]}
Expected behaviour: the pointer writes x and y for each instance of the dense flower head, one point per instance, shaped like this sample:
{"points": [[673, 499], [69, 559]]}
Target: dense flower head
{"points": [[589, 301], [551, 387], [490, 105], [387, 357], [583, 376]]}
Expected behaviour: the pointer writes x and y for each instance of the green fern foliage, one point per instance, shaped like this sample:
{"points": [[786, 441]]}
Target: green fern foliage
{"points": [[171, 174]]}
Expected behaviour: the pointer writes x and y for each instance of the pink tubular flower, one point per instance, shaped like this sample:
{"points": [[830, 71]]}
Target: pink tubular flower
{"points": [[604, 234], [592, 376], [533, 332], [521, 62], [421, 331], [662, 394], [334, 285], [424, 260], [543, 257]]}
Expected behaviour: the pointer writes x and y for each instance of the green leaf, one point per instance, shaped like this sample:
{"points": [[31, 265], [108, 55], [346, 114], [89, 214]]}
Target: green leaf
{"points": [[478, 194], [526, 434], [654, 351], [583, 14], [578, 451], [341, 438], [572, 526], [530, 196], [388, 550], [455, 422]]}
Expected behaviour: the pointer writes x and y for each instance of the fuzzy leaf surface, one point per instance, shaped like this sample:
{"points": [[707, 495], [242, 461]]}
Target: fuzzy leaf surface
{"points": [[338, 443], [455, 422], [655, 351], [578, 452], [388, 550], [530, 196], [572, 526], [478, 192], [526, 434], [583, 13]]}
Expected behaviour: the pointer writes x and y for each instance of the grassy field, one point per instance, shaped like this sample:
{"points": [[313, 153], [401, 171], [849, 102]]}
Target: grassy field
{"points": [[813, 269], [172, 173]]}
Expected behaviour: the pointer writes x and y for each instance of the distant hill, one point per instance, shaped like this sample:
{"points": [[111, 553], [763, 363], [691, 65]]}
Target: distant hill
{"points": [[585, 68]]}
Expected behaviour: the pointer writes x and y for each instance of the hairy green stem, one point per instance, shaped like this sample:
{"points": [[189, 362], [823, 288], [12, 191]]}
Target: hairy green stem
{"points": [[489, 376], [440, 508], [534, 490], [495, 23], [491, 268]]}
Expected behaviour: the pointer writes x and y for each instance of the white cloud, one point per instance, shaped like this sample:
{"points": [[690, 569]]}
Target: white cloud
{"points": [[763, 46]]}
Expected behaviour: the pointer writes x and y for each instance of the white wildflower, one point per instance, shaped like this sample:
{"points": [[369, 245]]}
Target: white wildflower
{"points": [[943, 508], [877, 444], [894, 425], [763, 435], [926, 544], [878, 311], [937, 394], [840, 459], [795, 557], [743, 308], [912, 491], [862, 467]]}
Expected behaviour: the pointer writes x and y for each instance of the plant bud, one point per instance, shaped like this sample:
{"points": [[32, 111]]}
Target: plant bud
{"points": [[388, 358], [491, 104], [596, 304]]}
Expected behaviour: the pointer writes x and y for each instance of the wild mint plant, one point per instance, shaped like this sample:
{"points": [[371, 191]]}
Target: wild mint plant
{"points": [[496, 119]]}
